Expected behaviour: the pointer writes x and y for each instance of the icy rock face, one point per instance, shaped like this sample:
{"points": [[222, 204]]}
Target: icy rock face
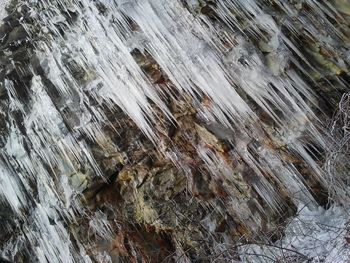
{"points": [[156, 131]]}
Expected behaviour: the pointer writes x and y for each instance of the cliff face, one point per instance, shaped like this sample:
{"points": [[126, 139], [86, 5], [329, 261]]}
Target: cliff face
{"points": [[168, 131]]}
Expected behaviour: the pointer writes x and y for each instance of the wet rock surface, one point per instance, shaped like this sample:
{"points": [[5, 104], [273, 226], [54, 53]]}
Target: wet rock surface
{"points": [[210, 176]]}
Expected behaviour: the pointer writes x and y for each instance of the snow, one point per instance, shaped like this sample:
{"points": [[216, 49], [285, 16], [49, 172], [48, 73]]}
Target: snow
{"points": [[313, 235], [3, 12]]}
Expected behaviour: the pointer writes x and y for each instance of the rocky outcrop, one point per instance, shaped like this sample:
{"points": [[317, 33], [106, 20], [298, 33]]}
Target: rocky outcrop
{"points": [[211, 175]]}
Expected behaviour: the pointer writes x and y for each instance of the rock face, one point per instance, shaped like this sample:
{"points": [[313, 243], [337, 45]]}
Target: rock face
{"points": [[167, 131]]}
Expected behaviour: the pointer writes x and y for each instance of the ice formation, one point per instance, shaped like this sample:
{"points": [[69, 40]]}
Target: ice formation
{"points": [[83, 66]]}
